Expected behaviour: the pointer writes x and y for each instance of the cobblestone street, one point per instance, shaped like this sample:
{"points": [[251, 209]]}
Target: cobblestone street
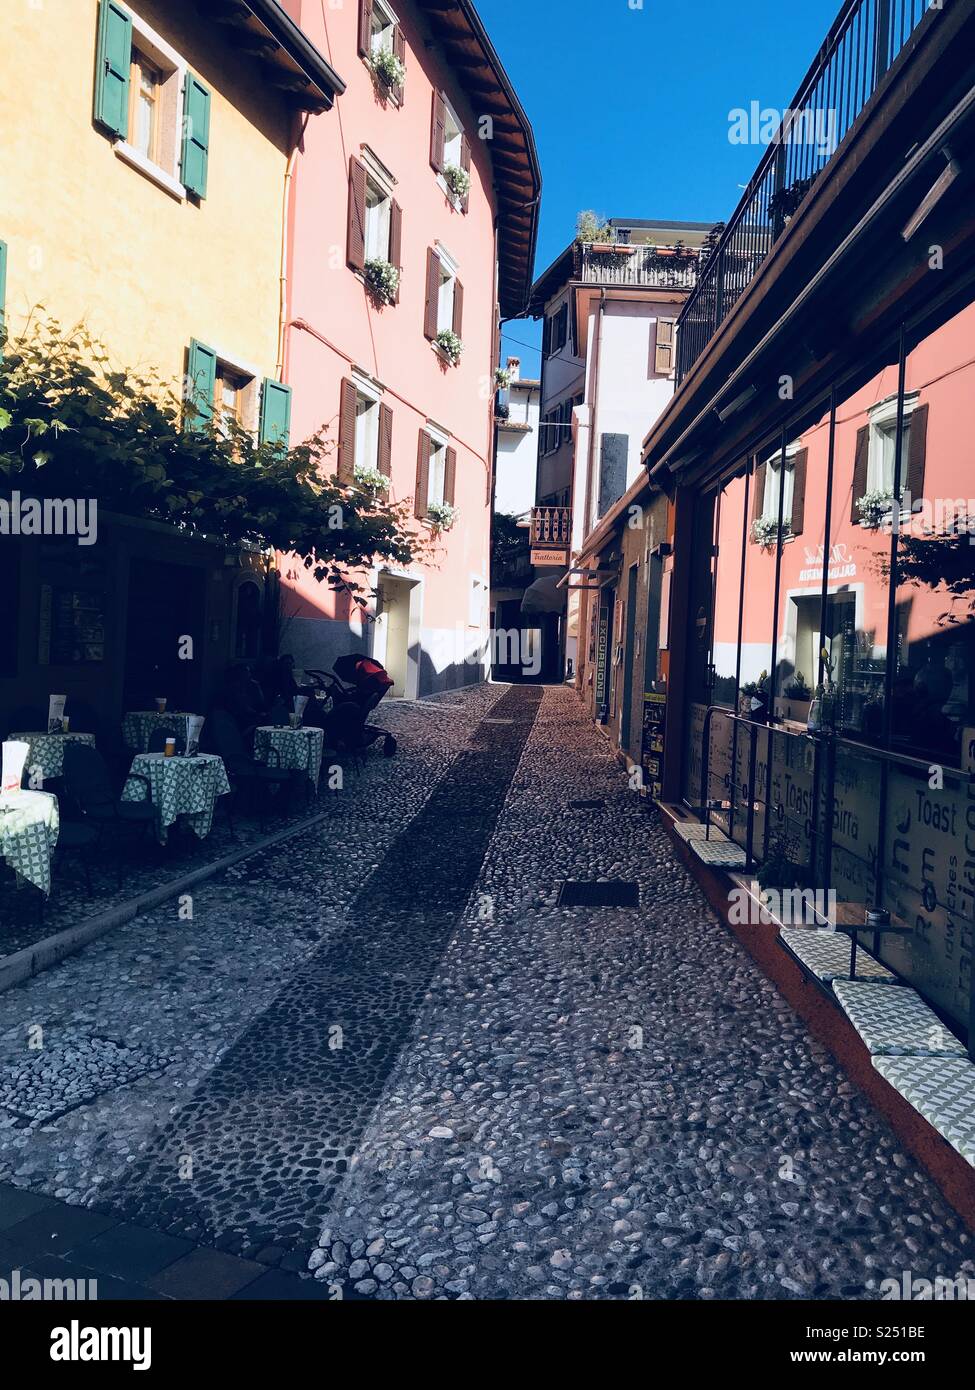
{"points": [[383, 1056]]}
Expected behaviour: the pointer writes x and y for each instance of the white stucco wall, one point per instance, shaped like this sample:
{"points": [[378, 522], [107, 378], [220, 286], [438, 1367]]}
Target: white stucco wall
{"points": [[517, 458]]}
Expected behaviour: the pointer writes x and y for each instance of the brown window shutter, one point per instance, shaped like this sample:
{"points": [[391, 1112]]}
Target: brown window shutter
{"points": [[799, 492], [396, 239], [433, 294], [399, 48], [357, 214], [758, 501], [450, 476], [458, 309], [385, 461], [917, 451], [422, 475], [860, 470], [465, 164], [664, 350], [347, 409], [438, 134], [365, 28], [547, 338]]}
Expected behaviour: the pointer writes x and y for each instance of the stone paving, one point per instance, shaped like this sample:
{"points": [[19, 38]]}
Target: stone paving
{"points": [[528, 1100]]}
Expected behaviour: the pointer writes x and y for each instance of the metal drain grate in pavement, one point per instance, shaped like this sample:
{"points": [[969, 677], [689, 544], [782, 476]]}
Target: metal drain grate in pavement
{"points": [[587, 805], [616, 892]]}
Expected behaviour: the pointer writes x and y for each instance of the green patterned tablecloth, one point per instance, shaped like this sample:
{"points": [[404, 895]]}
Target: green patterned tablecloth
{"points": [[298, 750], [179, 787], [137, 726], [47, 750], [28, 833]]}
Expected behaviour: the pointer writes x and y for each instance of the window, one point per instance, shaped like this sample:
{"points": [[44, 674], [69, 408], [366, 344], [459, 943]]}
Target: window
{"points": [[778, 479], [882, 449], [233, 395], [664, 347], [445, 295], [379, 31], [365, 430], [146, 87], [220, 391], [556, 331], [453, 138], [436, 471], [450, 151], [382, 27], [378, 203], [771, 480], [156, 110]]}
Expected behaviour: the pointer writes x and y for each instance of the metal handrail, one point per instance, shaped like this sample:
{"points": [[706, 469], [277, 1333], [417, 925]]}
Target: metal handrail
{"points": [[862, 46]]}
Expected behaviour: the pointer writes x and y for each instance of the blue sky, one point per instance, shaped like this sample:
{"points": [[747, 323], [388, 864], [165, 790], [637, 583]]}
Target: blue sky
{"points": [[630, 105]]}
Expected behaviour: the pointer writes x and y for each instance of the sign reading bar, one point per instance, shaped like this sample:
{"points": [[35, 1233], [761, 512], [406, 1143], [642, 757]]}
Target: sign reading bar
{"points": [[550, 555]]}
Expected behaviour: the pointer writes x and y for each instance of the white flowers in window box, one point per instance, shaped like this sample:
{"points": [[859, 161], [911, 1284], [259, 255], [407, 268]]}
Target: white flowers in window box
{"points": [[765, 531], [371, 479], [442, 515], [382, 280], [874, 507], [502, 378], [388, 68], [458, 180], [450, 345]]}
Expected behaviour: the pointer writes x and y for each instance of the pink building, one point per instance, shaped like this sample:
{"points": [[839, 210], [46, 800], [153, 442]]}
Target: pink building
{"points": [[412, 225]]}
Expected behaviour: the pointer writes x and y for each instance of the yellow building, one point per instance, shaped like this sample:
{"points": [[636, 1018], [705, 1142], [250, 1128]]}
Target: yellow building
{"points": [[144, 166]]}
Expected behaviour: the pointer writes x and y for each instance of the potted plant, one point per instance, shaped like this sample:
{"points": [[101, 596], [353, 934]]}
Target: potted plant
{"points": [[765, 531], [382, 281], [458, 180], [450, 345], [796, 696], [875, 507], [591, 228], [371, 479], [387, 67], [502, 378], [442, 515], [780, 870], [822, 711], [753, 699], [785, 202]]}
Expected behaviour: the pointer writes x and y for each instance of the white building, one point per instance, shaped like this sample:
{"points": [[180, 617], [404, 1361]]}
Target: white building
{"points": [[516, 460], [608, 355]]}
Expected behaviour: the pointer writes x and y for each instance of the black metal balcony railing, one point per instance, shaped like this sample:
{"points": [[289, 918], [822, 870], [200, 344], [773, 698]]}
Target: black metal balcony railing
{"points": [[650, 266], [551, 525], [866, 38]]}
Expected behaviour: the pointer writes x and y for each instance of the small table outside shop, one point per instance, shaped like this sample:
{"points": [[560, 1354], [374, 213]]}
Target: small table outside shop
{"points": [[138, 726], [296, 750], [179, 786], [29, 826], [47, 751]]}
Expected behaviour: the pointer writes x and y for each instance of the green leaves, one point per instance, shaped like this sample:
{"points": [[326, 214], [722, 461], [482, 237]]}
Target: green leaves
{"points": [[74, 425]]}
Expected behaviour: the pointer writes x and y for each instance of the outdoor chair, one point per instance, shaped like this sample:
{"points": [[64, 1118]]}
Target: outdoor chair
{"points": [[89, 790], [27, 719], [75, 837], [244, 772]]}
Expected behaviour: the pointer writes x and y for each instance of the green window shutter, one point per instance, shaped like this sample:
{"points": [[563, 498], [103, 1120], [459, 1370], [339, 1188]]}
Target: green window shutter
{"points": [[112, 68], [276, 414], [196, 136], [201, 380], [3, 291]]}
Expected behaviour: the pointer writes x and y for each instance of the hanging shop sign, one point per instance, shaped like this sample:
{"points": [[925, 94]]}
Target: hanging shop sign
{"points": [[550, 557]]}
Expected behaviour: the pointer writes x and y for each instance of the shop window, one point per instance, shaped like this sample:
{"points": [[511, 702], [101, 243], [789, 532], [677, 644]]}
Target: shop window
{"points": [[247, 640]]}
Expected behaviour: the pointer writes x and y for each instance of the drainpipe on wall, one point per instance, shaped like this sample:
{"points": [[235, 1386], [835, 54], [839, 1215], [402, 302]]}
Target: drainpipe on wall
{"points": [[592, 414], [285, 231]]}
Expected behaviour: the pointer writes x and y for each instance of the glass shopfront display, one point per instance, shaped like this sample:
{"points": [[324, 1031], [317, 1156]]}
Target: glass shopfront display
{"points": [[837, 605]]}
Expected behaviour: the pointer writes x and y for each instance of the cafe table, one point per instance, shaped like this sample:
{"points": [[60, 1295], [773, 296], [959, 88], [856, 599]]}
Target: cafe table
{"points": [[28, 833], [138, 726], [47, 750], [294, 750], [179, 786]]}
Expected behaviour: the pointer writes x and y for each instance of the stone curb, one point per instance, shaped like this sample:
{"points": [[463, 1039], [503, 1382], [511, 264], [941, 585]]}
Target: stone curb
{"points": [[25, 964]]}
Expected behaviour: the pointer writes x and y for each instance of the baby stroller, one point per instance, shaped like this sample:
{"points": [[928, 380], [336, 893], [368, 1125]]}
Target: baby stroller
{"points": [[356, 685]]}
